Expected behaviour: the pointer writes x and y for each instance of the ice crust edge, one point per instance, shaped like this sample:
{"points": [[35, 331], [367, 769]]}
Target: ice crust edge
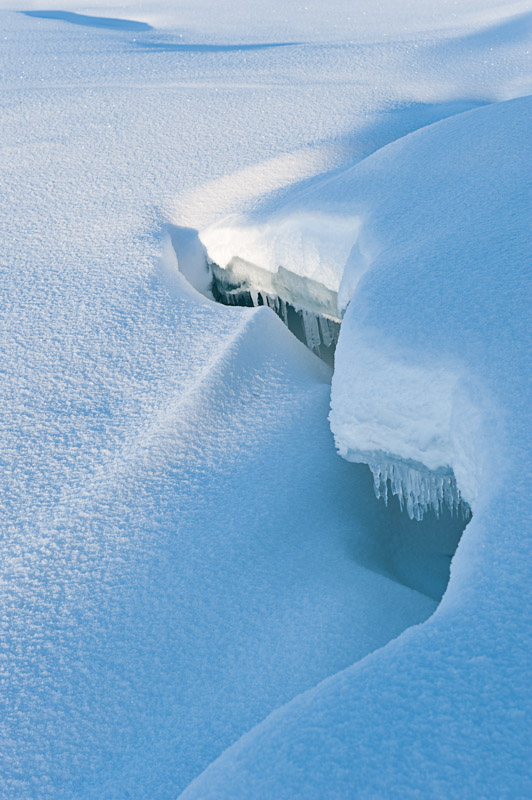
{"points": [[418, 488], [307, 308]]}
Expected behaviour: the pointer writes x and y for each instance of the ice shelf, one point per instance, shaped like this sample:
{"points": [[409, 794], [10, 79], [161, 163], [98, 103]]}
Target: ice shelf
{"points": [[306, 307]]}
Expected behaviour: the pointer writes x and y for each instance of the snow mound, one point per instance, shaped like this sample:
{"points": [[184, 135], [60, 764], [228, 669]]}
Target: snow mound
{"points": [[414, 379], [432, 378]]}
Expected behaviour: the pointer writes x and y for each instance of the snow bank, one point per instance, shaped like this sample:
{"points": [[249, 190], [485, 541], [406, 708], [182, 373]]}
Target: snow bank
{"points": [[433, 367], [183, 551], [415, 384], [310, 244]]}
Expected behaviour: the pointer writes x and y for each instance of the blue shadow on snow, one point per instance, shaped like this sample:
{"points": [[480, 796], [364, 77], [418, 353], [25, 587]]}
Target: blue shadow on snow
{"points": [[380, 130], [508, 31], [91, 22], [169, 47]]}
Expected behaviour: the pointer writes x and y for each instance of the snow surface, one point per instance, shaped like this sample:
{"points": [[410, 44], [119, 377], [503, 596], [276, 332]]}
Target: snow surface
{"points": [[443, 313], [183, 550]]}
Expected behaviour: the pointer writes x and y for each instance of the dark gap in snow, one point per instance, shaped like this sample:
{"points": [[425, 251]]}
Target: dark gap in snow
{"points": [[308, 321], [415, 553], [307, 307]]}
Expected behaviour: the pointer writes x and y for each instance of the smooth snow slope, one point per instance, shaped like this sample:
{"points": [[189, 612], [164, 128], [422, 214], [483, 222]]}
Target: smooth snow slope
{"points": [[182, 549], [433, 364], [404, 80]]}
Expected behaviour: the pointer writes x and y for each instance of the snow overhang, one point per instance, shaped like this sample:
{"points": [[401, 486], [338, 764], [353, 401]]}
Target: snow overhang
{"points": [[414, 425]]}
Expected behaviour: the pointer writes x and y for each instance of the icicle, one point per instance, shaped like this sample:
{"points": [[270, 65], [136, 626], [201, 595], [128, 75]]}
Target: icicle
{"points": [[312, 330], [417, 488], [287, 294]]}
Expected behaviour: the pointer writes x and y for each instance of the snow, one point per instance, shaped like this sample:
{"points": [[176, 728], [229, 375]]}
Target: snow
{"points": [[184, 553], [442, 311], [311, 245], [433, 390]]}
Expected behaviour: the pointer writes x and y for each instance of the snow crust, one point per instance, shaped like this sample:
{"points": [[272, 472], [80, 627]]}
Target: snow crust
{"points": [[425, 417]]}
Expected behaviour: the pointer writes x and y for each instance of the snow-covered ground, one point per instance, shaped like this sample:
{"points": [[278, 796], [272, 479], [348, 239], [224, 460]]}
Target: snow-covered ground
{"points": [[183, 550], [432, 371]]}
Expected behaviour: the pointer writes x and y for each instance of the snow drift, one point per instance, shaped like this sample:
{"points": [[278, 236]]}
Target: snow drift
{"points": [[183, 550], [432, 370]]}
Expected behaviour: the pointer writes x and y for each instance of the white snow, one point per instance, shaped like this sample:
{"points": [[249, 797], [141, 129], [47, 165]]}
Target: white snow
{"points": [[183, 550], [433, 364], [309, 244]]}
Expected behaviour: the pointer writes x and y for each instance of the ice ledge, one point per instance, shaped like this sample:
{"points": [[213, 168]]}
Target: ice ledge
{"points": [[417, 487], [307, 307], [298, 290]]}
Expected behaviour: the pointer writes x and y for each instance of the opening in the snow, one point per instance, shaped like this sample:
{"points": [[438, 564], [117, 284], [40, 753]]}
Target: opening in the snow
{"points": [[413, 528], [306, 307], [415, 553]]}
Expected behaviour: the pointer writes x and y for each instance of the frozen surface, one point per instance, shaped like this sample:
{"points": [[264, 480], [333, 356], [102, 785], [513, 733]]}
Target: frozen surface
{"points": [[183, 552]]}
